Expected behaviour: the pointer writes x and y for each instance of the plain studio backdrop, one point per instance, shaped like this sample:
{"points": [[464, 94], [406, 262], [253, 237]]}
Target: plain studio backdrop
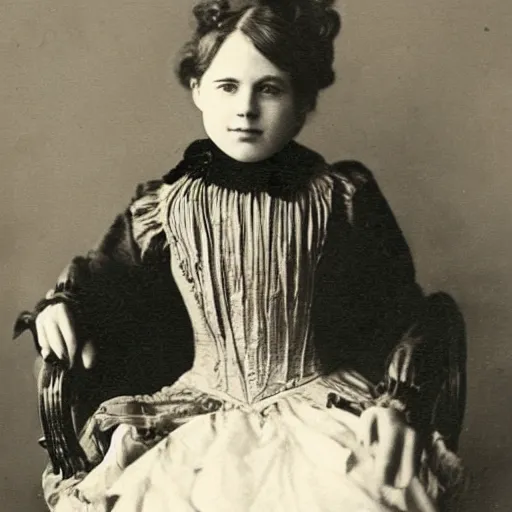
{"points": [[89, 107]]}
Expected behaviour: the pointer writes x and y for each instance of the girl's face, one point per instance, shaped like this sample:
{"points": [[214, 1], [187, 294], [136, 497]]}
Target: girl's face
{"points": [[248, 104]]}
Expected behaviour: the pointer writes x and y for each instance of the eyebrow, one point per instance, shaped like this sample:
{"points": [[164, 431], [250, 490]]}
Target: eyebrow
{"points": [[266, 78], [227, 79], [273, 78]]}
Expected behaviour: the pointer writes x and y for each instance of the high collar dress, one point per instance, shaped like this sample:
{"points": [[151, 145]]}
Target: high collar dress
{"points": [[291, 288]]}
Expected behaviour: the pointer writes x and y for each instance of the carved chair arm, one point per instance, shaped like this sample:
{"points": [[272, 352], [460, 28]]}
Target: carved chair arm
{"points": [[55, 392], [427, 369]]}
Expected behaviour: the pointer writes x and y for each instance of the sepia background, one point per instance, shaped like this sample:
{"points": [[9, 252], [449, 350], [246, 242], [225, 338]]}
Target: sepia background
{"points": [[89, 107]]}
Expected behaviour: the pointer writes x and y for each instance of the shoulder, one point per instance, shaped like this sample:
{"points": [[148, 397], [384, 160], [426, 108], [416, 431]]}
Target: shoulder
{"points": [[145, 211], [351, 175], [355, 172], [147, 189], [146, 201], [357, 181]]}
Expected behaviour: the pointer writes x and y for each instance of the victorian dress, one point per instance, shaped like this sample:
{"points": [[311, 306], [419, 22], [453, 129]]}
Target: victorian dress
{"points": [[244, 315]]}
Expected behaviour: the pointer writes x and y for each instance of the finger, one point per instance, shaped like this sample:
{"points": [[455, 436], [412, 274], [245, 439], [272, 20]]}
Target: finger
{"points": [[38, 363], [88, 355], [407, 376], [55, 340], [388, 452], [67, 332], [394, 370], [367, 432], [416, 497], [41, 336], [408, 460]]}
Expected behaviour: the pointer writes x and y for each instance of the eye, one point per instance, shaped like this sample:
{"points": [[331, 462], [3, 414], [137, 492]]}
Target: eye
{"points": [[270, 90], [228, 87]]}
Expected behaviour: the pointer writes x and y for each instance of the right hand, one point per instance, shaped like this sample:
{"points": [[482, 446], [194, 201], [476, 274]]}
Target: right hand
{"points": [[56, 335], [394, 445]]}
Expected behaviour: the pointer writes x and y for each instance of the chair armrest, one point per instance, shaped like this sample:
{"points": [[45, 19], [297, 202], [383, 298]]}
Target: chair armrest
{"points": [[55, 392], [427, 370], [450, 406]]}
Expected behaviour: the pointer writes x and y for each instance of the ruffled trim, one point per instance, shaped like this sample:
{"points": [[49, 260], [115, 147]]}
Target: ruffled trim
{"points": [[147, 215], [287, 174]]}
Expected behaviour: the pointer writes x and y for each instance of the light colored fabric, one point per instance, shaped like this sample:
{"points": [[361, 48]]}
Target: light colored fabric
{"points": [[245, 264], [286, 453]]}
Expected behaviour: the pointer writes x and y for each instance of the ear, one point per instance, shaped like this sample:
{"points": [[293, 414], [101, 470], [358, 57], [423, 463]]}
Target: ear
{"points": [[196, 93]]}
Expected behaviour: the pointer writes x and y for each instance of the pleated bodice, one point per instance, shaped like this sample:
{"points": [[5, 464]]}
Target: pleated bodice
{"points": [[245, 264]]}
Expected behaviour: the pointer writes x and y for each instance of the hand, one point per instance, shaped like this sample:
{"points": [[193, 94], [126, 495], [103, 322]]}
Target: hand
{"points": [[126, 446], [393, 444], [56, 335]]}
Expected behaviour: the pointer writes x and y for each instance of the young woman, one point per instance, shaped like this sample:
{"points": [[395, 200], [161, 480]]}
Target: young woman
{"points": [[294, 284]]}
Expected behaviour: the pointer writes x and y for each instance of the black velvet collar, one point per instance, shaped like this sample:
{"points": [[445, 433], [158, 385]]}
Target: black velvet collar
{"points": [[285, 174]]}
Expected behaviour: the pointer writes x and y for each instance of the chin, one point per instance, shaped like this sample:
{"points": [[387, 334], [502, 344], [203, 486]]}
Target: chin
{"points": [[251, 159], [246, 155]]}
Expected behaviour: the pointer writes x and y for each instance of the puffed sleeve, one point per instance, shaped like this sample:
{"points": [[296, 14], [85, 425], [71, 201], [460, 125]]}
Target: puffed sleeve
{"points": [[131, 234], [123, 298], [382, 323]]}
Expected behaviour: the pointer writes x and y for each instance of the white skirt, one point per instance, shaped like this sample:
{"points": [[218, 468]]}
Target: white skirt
{"points": [[288, 453]]}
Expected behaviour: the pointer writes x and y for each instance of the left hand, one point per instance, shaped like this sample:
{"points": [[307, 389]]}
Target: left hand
{"points": [[394, 446]]}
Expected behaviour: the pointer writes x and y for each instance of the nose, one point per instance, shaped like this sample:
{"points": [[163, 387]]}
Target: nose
{"points": [[247, 105]]}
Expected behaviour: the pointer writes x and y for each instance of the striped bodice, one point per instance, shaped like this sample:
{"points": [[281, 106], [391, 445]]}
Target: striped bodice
{"points": [[245, 264]]}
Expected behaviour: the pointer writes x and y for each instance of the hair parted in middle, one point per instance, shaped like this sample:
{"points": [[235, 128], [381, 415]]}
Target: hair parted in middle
{"points": [[295, 35]]}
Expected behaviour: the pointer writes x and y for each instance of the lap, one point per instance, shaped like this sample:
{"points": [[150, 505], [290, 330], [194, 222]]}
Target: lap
{"points": [[288, 453]]}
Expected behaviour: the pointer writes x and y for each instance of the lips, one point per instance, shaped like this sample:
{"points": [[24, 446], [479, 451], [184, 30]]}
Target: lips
{"points": [[248, 131]]}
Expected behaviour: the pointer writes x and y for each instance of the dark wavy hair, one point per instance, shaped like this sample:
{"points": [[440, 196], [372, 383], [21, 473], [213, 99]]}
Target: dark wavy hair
{"points": [[295, 35]]}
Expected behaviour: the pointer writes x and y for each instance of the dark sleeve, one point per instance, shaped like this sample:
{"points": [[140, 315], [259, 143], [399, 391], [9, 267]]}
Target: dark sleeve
{"points": [[117, 251], [367, 292], [372, 313], [122, 297]]}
